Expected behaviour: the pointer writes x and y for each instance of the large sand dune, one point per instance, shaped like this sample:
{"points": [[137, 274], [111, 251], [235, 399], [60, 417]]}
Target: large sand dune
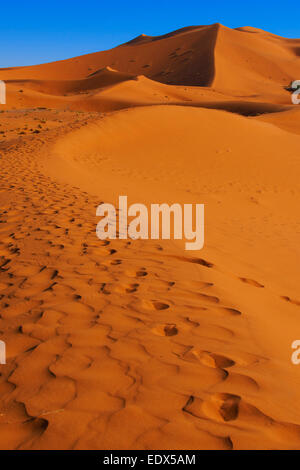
{"points": [[242, 63], [140, 344]]}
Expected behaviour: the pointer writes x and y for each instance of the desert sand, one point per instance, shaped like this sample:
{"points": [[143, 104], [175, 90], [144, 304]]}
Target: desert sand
{"points": [[127, 344]]}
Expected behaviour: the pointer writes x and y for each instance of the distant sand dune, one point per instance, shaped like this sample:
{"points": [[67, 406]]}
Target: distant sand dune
{"points": [[234, 62]]}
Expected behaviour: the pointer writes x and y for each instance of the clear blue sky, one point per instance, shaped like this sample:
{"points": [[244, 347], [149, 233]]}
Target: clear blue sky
{"points": [[32, 32]]}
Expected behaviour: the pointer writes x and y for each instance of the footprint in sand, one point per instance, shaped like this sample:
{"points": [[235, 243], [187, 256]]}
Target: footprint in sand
{"points": [[200, 261], [127, 288], [116, 262], [154, 305], [216, 361], [166, 330], [131, 288], [104, 242], [251, 282], [160, 305], [149, 305], [209, 359], [230, 311], [222, 407], [103, 289], [292, 301], [204, 285], [140, 273], [209, 298]]}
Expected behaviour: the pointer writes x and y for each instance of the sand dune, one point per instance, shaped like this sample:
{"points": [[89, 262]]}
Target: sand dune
{"points": [[127, 344], [105, 77]]}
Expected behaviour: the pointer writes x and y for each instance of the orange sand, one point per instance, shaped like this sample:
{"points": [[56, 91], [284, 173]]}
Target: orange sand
{"points": [[140, 344]]}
